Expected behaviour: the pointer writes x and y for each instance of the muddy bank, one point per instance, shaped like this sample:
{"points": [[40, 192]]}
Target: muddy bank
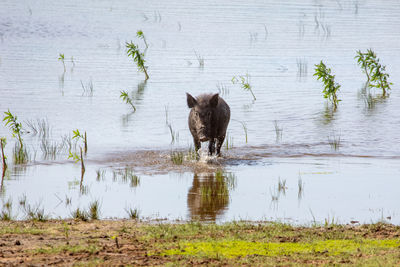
{"points": [[69, 242]]}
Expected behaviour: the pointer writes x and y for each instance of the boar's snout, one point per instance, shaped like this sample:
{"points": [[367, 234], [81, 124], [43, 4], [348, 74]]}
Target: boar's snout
{"points": [[202, 134]]}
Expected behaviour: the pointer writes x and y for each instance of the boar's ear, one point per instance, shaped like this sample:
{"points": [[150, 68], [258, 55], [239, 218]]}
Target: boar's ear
{"points": [[214, 100], [191, 102]]}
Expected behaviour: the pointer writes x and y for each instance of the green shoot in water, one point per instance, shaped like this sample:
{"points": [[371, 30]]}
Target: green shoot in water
{"points": [[127, 99], [3, 143], [62, 59], [330, 86], [133, 51], [374, 70], [78, 136], [74, 155], [244, 82], [11, 121], [140, 35]]}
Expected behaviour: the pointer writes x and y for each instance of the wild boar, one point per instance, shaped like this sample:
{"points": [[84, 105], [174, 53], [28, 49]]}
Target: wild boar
{"points": [[208, 119]]}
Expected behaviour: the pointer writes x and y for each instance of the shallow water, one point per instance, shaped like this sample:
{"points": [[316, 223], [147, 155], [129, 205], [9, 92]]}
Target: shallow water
{"points": [[269, 40]]}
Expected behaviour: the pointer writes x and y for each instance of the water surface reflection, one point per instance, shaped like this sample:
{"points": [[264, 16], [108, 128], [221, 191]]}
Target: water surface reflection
{"points": [[208, 197]]}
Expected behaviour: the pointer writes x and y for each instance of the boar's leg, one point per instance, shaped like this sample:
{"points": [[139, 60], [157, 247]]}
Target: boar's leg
{"points": [[220, 141], [211, 147], [197, 144]]}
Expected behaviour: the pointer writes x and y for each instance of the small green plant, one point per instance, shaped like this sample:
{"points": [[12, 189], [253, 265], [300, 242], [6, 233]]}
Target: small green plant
{"points": [[80, 215], [244, 82], [330, 86], [77, 135], [177, 157], [94, 210], [140, 35], [15, 126], [22, 200], [133, 51], [5, 214], [3, 143], [66, 229], [127, 99], [374, 70], [82, 137], [133, 213], [62, 59], [228, 142], [282, 186], [334, 141], [35, 213]]}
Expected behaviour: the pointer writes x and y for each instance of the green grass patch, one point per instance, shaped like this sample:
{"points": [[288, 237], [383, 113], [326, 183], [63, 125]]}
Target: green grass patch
{"points": [[91, 249], [240, 248], [21, 230]]}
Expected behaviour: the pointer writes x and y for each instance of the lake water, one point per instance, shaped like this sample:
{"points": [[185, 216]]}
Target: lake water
{"points": [[287, 170]]}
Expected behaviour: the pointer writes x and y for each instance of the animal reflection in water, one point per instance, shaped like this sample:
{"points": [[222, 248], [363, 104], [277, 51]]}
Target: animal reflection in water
{"points": [[208, 197]]}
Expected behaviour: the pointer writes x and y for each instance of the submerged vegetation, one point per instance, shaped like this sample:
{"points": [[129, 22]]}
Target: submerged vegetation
{"points": [[244, 81], [376, 76], [330, 86], [127, 99], [138, 57], [20, 155], [61, 58], [140, 35], [3, 143]]}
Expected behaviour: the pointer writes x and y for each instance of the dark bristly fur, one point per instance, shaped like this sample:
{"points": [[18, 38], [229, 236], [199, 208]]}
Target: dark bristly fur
{"points": [[208, 120]]}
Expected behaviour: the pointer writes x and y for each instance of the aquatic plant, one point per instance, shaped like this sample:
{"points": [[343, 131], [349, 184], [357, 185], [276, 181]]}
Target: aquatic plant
{"points": [[3, 143], [302, 67], [79, 214], [22, 200], [374, 70], [94, 210], [278, 131], [133, 51], [330, 86], [5, 214], [174, 134], [133, 213], [244, 82], [100, 174], [140, 35], [127, 99], [88, 89], [334, 141], [228, 142], [222, 89], [200, 59], [15, 126], [282, 186], [300, 190], [177, 157], [244, 128], [61, 58], [73, 62], [79, 136], [35, 213]]}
